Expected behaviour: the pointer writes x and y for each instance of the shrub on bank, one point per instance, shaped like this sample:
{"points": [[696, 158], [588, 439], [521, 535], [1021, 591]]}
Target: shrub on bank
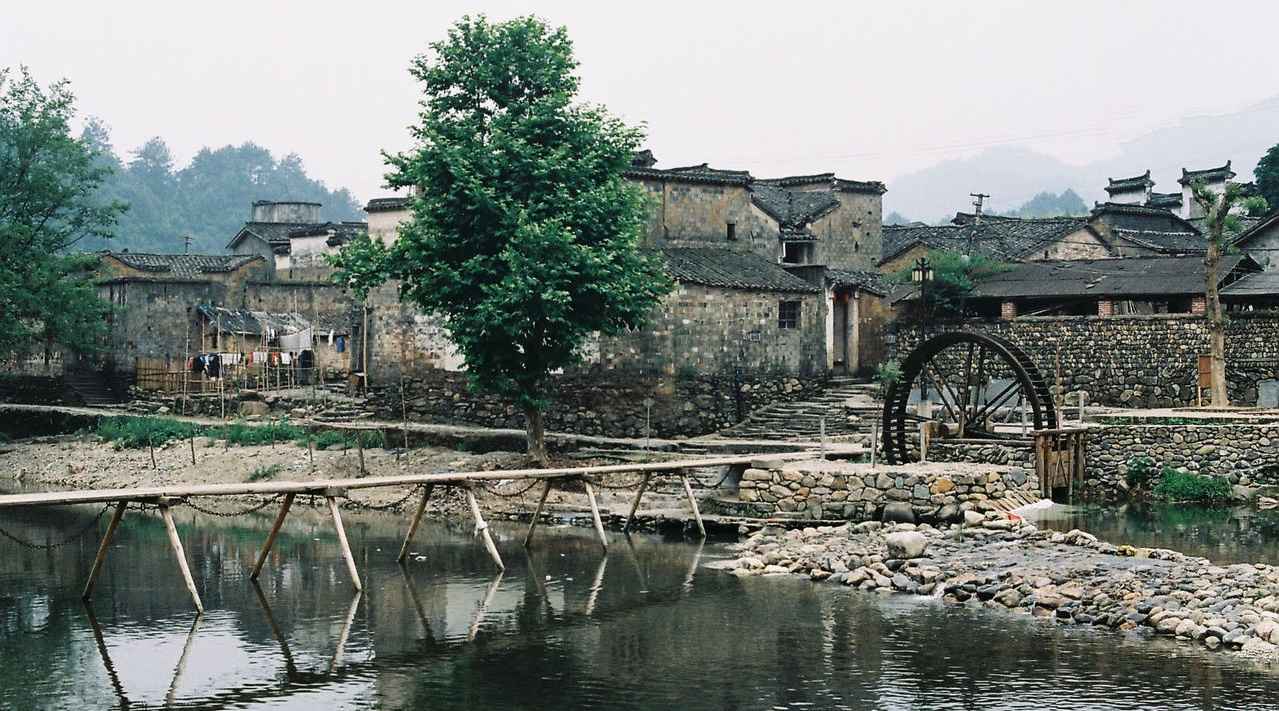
{"points": [[265, 472], [246, 435], [1181, 485], [137, 432], [1139, 472]]}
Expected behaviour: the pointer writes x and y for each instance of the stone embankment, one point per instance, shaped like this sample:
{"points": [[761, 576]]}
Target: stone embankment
{"points": [[1002, 562]]}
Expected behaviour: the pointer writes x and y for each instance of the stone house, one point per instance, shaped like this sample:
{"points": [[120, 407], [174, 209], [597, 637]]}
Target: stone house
{"points": [[1261, 240], [292, 238], [1136, 230], [1003, 239]]}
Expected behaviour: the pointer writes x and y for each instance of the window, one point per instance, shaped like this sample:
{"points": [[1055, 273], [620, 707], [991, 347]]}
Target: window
{"points": [[796, 253], [732, 231], [788, 314]]}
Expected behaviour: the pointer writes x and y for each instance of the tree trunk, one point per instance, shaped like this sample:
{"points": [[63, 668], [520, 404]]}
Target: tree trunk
{"points": [[1216, 325], [536, 431]]}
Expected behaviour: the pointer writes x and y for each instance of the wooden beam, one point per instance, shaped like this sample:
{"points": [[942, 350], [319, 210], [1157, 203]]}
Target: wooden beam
{"points": [[346, 547], [692, 502], [301, 487], [176, 543], [103, 546], [541, 503], [413, 524], [270, 537], [630, 517], [595, 513], [483, 529]]}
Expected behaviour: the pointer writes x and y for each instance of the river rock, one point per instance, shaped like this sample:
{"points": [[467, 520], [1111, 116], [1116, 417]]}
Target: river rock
{"points": [[973, 518], [949, 513], [905, 545], [254, 408]]}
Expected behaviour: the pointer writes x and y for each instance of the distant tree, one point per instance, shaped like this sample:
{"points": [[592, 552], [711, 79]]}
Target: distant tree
{"points": [[1216, 209], [896, 218], [524, 237], [48, 203], [1256, 206], [1048, 204], [1266, 175]]}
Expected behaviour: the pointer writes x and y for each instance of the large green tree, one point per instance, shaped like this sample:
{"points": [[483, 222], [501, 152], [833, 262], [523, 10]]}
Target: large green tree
{"points": [[524, 237], [1266, 175], [48, 203]]}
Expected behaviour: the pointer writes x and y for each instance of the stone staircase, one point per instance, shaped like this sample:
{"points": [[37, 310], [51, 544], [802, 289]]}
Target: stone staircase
{"points": [[89, 387], [343, 412], [848, 405]]}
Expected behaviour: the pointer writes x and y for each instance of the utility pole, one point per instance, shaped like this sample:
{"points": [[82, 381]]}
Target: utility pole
{"points": [[972, 233], [186, 241]]}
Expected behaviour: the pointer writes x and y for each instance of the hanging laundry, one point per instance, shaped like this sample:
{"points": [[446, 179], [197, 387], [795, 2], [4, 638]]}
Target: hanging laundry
{"points": [[330, 336], [341, 344], [286, 358], [306, 360]]}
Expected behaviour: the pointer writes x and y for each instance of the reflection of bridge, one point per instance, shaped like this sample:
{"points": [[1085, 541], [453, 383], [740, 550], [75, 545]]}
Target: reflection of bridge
{"points": [[337, 670], [164, 498]]}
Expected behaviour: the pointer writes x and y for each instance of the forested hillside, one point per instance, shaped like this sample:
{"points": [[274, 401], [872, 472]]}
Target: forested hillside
{"points": [[207, 199]]}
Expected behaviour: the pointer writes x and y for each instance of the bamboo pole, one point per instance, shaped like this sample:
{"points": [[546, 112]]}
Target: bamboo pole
{"points": [[176, 543], [342, 542], [630, 517], [595, 513], [345, 633], [359, 445], [181, 668], [289, 667], [474, 630], [541, 503], [103, 546], [270, 537], [483, 529], [413, 524], [192, 441], [692, 502]]}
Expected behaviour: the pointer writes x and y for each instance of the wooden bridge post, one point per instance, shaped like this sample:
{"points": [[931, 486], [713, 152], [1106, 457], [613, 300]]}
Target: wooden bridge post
{"points": [[692, 502], [270, 537], [103, 546], [630, 517], [331, 497], [176, 543], [483, 529], [541, 503], [595, 513], [417, 518]]}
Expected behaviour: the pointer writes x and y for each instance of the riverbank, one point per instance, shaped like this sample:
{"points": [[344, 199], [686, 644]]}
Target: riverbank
{"points": [[1002, 562]]}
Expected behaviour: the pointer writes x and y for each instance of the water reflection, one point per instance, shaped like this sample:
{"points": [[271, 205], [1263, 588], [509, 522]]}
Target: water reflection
{"points": [[1221, 534], [563, 627]]}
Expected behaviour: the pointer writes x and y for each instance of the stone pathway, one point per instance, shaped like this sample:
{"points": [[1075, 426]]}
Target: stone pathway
{"points": [[1002, 562], [847, 404]]}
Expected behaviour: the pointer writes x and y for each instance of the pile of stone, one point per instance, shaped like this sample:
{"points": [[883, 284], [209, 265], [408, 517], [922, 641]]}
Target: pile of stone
{"points": [[1000, 561]]}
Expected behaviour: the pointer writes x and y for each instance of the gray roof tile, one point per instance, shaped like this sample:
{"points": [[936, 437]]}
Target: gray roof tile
{"points": [[730, 269]]}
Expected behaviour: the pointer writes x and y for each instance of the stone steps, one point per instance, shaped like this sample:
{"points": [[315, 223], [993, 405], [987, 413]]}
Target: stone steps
{"points": [[802, 419]]}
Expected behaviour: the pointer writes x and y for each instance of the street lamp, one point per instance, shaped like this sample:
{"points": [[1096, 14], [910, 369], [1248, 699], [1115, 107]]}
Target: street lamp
{"points": [[923, 271]]}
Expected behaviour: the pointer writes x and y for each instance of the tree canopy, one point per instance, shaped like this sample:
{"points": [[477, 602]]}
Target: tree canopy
{"points": [[1049, 204], [524, 237], [1266, 175], [207, 199], [49, 203]]}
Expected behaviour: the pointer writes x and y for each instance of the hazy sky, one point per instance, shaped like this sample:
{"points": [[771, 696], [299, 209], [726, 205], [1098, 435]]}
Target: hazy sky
{"points": [[869, 90]]}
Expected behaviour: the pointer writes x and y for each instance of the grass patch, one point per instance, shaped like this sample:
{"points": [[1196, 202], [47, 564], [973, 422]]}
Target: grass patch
{"points": [[246, 435], [1181, 485], [138, 432], [264, 472], [330, 439]]}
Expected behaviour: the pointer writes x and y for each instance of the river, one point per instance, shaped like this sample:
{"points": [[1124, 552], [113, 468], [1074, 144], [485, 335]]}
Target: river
{"points": [[566, 627]]}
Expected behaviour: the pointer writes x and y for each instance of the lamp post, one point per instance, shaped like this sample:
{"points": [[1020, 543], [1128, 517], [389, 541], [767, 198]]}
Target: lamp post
{"points": [[921, 274]]}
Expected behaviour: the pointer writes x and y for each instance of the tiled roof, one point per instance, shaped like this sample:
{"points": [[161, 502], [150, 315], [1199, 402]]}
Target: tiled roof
{"points": [[259, 322], [1165, 242], [340, 232], [701, 173], [1000, 238], [1127, 185], [387, 204], [794, 180], [793, 208], [182, 265], [1134, 276], [1256, 284], [1261, 225], [729, 269], [1208, 175], [275, 234], [641, 169], [873, 282], [1165, 201], [1242, 226]]}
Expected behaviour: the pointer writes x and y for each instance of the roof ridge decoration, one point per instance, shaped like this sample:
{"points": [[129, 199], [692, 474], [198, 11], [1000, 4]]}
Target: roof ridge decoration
{"points": [[1223, 172], [387, 204], [1122, 185]]}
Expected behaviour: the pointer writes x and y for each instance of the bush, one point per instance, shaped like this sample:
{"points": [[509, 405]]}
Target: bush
{"points": [[331, 438], [888, 373], [137, 432], [264, 472], [1181, 485], [246, 435], [1140, 471]]}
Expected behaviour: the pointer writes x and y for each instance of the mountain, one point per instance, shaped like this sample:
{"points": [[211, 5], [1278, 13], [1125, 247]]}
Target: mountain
{"points": [[208, 199], [1013, 175]]}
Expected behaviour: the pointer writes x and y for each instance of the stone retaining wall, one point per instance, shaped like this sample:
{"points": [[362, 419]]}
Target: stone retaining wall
{"points": [[827, 490], [1246, 455], [607, 403]]}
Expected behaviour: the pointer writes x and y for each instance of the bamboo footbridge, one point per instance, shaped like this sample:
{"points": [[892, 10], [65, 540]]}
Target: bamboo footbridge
{"points": [[165, 497]]}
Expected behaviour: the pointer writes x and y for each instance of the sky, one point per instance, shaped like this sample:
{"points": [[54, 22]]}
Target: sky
{"points": [[867, 90]]}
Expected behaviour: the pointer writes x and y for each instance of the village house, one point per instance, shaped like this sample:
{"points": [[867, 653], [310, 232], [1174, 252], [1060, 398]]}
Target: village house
{"points": [[292, 238], [1002, 239], [1261, 240]]}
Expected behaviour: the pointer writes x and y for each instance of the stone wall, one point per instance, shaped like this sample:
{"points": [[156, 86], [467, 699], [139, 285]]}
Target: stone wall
{"points": [[598, 403], [1135, 361], [827, 490], [32, 389], [1245, 454]]}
